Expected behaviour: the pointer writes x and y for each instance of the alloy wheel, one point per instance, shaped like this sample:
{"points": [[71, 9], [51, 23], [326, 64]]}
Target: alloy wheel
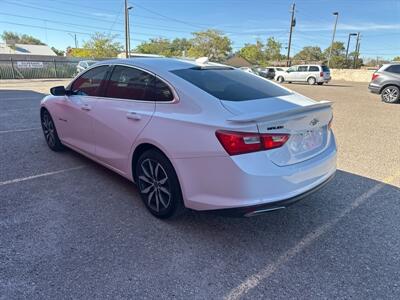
{"points": [[48, 129], [154, 184], [390, 94]]}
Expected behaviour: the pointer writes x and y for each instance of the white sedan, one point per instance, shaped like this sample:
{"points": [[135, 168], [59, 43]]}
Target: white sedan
{"points": [[193, 134]]}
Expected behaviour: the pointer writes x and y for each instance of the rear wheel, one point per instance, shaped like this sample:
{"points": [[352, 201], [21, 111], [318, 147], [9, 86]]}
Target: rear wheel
{"points": [[280, 79], [158, 185], [391, 94], [50, 132], [311, 81]]}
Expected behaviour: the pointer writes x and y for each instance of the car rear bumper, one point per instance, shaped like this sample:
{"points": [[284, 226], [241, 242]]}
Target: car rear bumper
{"points": [[374, 88], [250, 180]]}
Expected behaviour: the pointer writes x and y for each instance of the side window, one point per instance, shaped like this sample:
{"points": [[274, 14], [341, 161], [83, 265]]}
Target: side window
{"points": [[90, 83], [130, 83], [314, 69], [162, 92], [302, 69], [292, 69], [393, 69]]}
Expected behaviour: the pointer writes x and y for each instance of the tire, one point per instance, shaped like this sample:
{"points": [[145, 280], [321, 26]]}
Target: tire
{"points": [[311, 80], [280, 79], [50, 132], [320, 83], [289, 82], [158, 185], [391, 94]]}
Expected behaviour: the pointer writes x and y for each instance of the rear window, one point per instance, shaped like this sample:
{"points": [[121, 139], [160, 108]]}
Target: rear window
{"points": [[231, 84], [325, 69], [393, 69]]}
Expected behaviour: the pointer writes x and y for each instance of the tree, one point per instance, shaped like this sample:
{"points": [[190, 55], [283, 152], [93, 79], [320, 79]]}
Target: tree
{"points": [[100, 45], [396, 58], [20, 38], [211, 43], [338, 58], [254, 53], [164, 47], [58, 52], [273, 49], [310, 53]]}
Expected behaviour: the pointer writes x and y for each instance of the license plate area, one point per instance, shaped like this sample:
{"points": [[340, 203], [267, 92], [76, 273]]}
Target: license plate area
{"points": [[306, 141]]}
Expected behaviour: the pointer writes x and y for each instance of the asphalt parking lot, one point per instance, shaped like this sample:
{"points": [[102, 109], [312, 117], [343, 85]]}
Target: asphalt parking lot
{"points": [[72, 229]]}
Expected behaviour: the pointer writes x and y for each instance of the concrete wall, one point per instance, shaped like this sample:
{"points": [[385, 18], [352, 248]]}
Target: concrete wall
{"points": [[352, 75]]}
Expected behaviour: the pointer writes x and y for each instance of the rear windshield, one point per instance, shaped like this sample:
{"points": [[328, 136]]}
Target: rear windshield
{"points": [[231, 84], [325, 69]]}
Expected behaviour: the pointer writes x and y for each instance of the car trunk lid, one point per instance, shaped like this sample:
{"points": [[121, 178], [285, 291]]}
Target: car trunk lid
{"points": [[305, 120]]}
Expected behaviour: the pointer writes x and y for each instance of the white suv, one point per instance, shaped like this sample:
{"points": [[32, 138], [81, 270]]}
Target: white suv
{"points": [[306, 73]]}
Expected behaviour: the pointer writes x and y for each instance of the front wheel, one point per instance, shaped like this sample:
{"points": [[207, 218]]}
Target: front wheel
{"points": [[50, 132], [280, 79], [391, 94], [158, 185]]}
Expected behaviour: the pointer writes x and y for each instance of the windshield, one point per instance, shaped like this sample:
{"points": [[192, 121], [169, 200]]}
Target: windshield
{"points": [[230, 84]]}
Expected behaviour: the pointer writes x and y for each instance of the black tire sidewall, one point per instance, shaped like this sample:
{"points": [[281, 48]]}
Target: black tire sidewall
{"points": [[58, 146], [176, 203]]}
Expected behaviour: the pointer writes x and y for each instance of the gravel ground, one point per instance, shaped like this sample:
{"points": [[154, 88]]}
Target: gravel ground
{"points": [[72, 229]]}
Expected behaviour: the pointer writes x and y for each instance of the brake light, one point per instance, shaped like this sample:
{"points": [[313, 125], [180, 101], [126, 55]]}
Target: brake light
{"points": [[374, 76], [321, 74], [245, 142]]}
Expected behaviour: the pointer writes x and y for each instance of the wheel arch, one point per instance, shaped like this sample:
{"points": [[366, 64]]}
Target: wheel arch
{"points": [[387, 85]]}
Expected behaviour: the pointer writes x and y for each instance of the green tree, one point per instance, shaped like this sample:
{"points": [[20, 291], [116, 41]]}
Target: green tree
{"points": [[273, 49], [396, 58], [254, 53], [101, 45], [58, 52], [338, 58], [20, 38], [164, 47], [310, 53], [211, 43]]}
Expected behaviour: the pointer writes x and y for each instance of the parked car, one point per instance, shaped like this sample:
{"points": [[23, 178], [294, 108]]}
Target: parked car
{"points": [[84, 64], [248, 70], [195, 134], [313, 74], [268, 73], [386, 82]]}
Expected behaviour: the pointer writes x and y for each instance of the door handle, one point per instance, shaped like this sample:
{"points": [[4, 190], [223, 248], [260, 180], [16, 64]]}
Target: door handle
{"points": [[86, 107], [133, 116]]}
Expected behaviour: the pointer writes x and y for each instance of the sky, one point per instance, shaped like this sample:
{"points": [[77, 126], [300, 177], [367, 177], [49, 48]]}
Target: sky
{"points": [[56, 22]]}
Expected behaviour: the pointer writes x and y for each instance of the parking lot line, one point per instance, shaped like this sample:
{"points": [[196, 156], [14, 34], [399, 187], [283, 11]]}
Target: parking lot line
{"points": [[19, 130], [40, 175], [254, 280]]}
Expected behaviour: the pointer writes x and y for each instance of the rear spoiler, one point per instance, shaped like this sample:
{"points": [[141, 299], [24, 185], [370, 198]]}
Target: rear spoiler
{"points": [[265, 117]]}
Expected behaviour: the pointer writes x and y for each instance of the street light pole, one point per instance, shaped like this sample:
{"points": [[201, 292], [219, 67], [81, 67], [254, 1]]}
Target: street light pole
{"points": [[129, 30], [126, 28], [333, 36], [357, 49]]}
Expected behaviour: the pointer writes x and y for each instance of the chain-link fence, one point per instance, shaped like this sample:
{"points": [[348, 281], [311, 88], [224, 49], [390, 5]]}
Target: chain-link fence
{"points": [[24, 69]]}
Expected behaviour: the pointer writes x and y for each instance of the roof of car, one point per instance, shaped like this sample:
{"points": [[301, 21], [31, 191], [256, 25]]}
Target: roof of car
{"points": [[156, 63]]}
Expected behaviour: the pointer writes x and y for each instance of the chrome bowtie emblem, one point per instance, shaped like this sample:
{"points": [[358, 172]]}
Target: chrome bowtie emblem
{"points": [[314, 122]]}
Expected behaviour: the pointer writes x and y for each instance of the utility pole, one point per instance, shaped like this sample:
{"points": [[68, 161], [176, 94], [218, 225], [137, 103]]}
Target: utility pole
{"points": [[357, 49], [126, 29], [333, 36], [74, 37], [129, 30], [292, 24], [348, 44]]}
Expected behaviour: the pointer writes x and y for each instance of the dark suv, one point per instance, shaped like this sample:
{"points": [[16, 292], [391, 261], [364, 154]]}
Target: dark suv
{"points": [[386, 81]]}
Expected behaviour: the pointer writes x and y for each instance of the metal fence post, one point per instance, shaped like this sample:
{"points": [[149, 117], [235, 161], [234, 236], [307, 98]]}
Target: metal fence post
{"points": [[55, 67], [12, 68]]}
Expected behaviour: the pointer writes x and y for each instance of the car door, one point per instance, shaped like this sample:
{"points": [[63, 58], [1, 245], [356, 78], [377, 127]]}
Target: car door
{"points": [[291, 74], [301, 74], [121, 115], [75, 113]]}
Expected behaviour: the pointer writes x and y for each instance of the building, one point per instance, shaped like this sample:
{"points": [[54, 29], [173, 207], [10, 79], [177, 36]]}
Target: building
{"points": [[26, 49]]}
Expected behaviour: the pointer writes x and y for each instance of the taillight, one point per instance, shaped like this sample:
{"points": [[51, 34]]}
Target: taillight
{"points": [[244, 142], [374, 76], [321, 74]]}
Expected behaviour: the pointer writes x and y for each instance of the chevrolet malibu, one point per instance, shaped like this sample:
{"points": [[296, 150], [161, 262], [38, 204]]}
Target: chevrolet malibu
{"points": [[195, 134]]}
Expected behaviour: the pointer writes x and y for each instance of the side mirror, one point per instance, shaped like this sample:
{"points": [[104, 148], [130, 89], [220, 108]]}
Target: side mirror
{"points": [[58, 91]]}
